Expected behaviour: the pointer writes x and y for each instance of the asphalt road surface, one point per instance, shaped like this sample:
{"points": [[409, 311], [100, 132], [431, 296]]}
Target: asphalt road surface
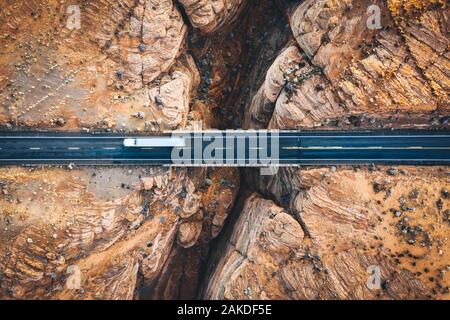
{"points": [[233, 148]]}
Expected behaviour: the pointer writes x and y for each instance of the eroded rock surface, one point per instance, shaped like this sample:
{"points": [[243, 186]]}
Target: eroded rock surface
{"points": [[116, 229], [346, 74], [339, 226], [123, 60], [211, 15]]}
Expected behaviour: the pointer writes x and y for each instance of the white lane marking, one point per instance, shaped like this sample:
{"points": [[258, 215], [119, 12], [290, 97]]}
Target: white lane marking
{"points": [[365, 148], [192, 160], [296, 148], [151, 142]]}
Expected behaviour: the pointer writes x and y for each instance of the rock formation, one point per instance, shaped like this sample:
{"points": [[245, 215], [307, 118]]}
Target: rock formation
{"points": [[212, 15], [154, 65], [338, 227], [341, 73], [117, 229]]}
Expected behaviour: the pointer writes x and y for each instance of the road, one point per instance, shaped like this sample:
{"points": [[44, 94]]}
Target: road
{"points": [[285, 148]]}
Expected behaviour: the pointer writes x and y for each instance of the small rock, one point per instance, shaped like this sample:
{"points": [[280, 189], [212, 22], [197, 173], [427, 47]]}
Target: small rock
{"points": [[158, 101], [397, 213], [147, 182], [447, 216], [120, 74], [392, 172], [414, 194], [60, 122], [289, 88], [139, 115], [439, 204], [377, 187]]}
